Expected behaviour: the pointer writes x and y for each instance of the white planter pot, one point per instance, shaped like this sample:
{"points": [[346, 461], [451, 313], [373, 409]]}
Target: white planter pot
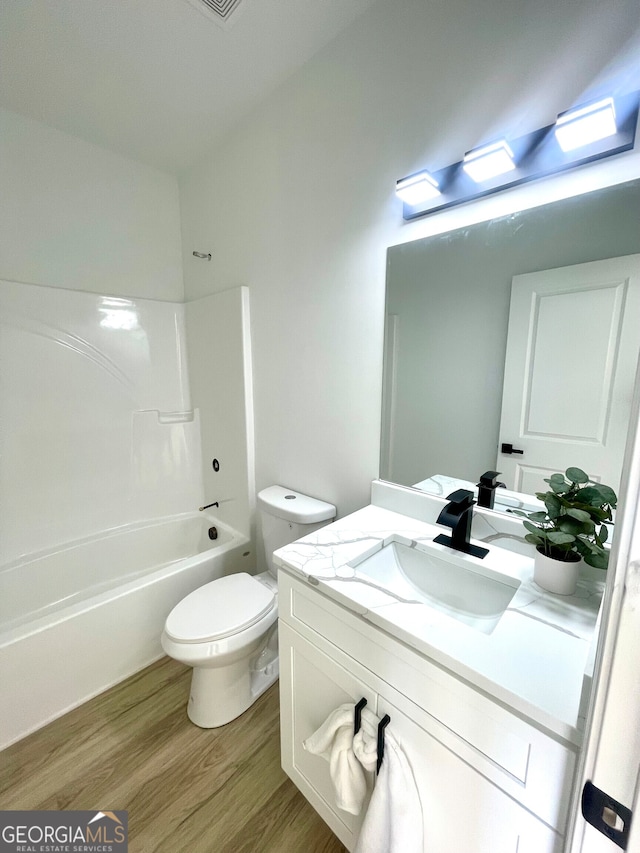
{"points": [[555, 575]]}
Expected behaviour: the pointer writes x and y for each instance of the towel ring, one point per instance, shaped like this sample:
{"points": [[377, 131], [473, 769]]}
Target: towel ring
{"points": [[357, 715], [382, 725]]}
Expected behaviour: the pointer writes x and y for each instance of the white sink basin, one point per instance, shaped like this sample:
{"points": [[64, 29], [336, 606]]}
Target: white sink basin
{"points": [[456, 585]]}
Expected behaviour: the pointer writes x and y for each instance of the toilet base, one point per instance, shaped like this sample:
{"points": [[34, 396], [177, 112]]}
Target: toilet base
{"points": [[219, 695]]}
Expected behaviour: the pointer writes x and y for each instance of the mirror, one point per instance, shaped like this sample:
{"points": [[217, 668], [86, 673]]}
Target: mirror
{"points": [[448, 301]]}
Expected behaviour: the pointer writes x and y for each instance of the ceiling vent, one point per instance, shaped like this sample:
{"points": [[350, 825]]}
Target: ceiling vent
{"points": [[223, 12]]}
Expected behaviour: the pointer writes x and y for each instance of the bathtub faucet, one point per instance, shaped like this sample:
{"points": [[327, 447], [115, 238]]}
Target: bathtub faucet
{"points": [[215, 503]]}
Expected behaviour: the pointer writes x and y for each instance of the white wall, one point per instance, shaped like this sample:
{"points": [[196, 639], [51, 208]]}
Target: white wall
{"points": [[77, 216], [298, 204]]}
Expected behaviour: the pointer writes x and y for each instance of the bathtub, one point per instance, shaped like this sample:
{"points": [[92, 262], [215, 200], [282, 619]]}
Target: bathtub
{"points": [[78, 619]]}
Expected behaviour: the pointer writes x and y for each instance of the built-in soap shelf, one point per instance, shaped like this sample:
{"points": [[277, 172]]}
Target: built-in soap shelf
{"points": [[173, 417]]}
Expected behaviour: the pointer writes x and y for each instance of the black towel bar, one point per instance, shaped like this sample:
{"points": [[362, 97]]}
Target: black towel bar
{"points": [[357, 715], [382, 725]]}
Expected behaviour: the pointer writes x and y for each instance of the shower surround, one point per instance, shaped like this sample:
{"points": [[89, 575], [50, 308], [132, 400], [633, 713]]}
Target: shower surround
{"points": [[97, 424], [99, 437]]}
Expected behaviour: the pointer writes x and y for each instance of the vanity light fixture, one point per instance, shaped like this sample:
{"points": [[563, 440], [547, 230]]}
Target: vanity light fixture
{"points": [[584, 134], [488, 161], [417, 188], [590, 123]]}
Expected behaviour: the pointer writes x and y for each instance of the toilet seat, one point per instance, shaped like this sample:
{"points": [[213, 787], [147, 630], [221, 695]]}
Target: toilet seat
{"points": [[219, 609]]}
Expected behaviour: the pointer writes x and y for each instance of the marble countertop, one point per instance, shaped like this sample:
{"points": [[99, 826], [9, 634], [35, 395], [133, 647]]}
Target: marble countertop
{"points": [[533, 661]]}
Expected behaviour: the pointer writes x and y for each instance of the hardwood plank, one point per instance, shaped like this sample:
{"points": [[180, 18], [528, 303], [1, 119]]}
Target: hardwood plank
{"points": [[289, 824], [114, 716], [185, 788]]}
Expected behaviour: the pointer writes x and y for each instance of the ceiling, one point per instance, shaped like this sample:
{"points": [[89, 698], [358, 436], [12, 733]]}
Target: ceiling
{"points": [[156, 80]]}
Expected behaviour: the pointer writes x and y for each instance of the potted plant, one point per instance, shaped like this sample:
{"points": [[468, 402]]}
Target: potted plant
{"points": [[573, 526]]}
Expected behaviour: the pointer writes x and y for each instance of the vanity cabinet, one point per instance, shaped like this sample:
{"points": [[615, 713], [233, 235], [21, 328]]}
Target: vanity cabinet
{"points": [[489, 781]]}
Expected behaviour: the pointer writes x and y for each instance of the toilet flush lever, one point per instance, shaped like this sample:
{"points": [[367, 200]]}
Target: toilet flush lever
{"points": [[201, 508]]}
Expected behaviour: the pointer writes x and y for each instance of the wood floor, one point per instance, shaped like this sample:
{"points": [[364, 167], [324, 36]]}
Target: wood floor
{"points": [[185, 788]]}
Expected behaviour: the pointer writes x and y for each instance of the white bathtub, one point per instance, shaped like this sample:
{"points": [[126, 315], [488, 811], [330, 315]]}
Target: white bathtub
{"points": [[76, 620]]}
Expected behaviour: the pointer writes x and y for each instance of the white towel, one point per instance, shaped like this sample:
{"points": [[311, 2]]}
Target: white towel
{"points": [[365, 743], [334, 741], [393, 823]]}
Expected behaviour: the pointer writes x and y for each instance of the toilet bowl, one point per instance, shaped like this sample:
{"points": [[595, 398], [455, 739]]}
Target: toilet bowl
{"points": [[219, 629], [227, 629]]}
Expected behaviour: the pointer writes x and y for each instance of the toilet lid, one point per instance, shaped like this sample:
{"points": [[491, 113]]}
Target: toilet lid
{"points": [[219, 609]]}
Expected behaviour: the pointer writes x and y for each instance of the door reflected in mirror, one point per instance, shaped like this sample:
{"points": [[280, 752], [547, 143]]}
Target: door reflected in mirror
{"points": [[521, 331]]}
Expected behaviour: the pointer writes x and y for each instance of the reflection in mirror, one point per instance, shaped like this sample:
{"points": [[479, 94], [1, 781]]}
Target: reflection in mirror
{"points": [[525, 288], [504, 500]]}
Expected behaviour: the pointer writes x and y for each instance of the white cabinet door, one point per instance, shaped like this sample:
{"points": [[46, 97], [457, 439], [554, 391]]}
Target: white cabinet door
{"points": [[462, 809], [312, 685], [572, 352], [463, 812]]}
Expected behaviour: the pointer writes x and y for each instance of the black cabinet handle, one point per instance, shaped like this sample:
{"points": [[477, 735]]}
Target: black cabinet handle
{"points": [[357, 715], [509, 448], [382, 725]]}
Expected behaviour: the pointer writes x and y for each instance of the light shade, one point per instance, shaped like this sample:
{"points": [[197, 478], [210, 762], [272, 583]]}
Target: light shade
{"points": [[590, 132], [417, 188], [579, 127], [488, 161]]}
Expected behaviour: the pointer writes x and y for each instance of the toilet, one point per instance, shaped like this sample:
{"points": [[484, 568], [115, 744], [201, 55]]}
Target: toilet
{"points": [[227, 629]]}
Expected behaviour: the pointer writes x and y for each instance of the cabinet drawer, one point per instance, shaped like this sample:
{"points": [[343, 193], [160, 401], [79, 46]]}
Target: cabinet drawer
{"points": [[530, 765]]}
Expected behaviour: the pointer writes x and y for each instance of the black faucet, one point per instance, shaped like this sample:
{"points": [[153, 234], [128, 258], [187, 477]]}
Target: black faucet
{"points": [[457, 515], [487, 488]]}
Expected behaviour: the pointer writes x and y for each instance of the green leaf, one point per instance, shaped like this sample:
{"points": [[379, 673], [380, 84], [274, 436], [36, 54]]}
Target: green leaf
{"points": [[553, 505], [559, 538], [539, 516], [556, 478], [589, 495], [598, 561], [595, 512], [534, 540], [579, 514], [603, 533], [607, 494], [560, 488], [517, 512], [582, 548], [570, 525], [576, 475], [532, 528]]}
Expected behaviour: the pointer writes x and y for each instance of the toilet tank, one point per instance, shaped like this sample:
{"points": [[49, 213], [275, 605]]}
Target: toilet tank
{"points": [[286, 515]]}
